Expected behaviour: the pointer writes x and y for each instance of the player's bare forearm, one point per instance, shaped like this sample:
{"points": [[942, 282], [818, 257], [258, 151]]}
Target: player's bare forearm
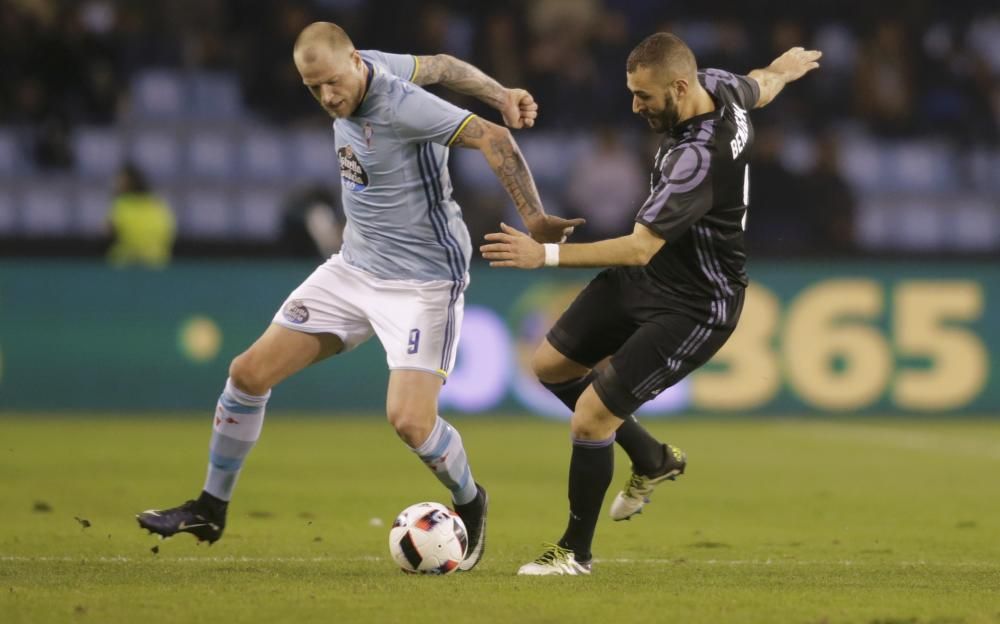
{"points": [[460, 77], [507, 162], [770, 85], [505, 159], [788, 67], [636, 249], [613, 252], [517, 107], [511, 248]]}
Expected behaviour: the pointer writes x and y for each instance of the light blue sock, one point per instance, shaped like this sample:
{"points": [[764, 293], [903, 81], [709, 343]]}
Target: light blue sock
{"points": [[239, 418], [445, 456]]}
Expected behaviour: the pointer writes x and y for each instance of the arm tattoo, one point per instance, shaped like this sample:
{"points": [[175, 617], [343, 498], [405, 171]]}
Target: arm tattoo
{"points": [[514, 175], [506, 161], [471, 134], [459, 77], [516, 178]]}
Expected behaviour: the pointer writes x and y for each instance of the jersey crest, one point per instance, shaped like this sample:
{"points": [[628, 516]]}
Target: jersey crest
{"points": [[351, 172]]}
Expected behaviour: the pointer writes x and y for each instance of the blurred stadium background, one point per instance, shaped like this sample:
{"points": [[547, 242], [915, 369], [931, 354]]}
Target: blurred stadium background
{"points": [[165, 181], [873, 232]]}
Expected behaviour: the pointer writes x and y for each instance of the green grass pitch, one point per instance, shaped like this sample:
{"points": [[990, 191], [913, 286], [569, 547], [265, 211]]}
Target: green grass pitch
{"points": [[888, 522]]}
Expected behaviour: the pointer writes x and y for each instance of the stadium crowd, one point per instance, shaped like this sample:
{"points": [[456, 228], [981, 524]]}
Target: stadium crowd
{"points": [[916, 73]]}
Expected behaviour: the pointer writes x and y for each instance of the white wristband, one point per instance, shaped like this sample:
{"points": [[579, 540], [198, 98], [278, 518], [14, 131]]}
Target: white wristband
{"points": [[551, 254]]}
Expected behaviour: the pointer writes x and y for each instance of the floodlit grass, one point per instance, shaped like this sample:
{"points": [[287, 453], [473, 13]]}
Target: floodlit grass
{"points": [[833, 521]]}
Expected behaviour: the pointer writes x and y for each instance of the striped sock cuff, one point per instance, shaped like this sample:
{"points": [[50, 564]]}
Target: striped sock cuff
{"points": [[244, 398], [433, 444], [593, 443]]}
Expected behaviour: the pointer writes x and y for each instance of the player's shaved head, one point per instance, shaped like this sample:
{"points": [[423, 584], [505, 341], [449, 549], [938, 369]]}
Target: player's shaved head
{"points": [[331, 68], [319, 38], [665, 54]]}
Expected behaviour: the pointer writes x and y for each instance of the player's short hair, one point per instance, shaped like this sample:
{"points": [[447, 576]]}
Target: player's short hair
{"points": [[663, 51], [323, 33]]}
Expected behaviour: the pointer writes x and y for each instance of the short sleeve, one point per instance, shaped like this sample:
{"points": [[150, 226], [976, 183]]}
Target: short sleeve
{"points": [[682, 196], [421, 117], [741, 89], [748, 91], [402, 65]]}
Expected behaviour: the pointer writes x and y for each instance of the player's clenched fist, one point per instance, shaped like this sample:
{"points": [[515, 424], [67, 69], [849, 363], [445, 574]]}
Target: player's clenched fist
{"points": [[552, 229], [520, 110]]}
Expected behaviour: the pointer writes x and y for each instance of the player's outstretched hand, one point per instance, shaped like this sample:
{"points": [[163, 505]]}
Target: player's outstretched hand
{"points": [[520, 110], [795, 63], [513, 248], [553, 229]]}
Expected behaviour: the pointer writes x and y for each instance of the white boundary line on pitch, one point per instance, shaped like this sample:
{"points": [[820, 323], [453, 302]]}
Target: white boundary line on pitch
{"points": [[718, 562]]}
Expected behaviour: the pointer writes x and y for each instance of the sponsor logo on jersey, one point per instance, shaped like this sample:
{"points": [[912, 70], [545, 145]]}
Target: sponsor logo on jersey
{"points": [[351, 172], [296, 312], [742, 131]]}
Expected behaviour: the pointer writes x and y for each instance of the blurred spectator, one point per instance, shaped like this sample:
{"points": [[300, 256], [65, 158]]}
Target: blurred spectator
{"points": [[312, 223], [142, 224], [606, 187], [502, 49], [563, 73], [829, 204], [884, 80]]}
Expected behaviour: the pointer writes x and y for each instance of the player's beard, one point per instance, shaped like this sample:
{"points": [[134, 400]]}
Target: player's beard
{"points": [[665, 120]]}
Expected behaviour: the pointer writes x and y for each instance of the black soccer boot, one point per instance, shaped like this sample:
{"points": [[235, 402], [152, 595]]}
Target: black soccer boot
{"points": [[204, 518], [473, 515]]}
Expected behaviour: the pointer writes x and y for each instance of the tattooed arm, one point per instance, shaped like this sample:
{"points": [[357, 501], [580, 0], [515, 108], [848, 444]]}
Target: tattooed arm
{"points": [[507, 162], [518, 108]]}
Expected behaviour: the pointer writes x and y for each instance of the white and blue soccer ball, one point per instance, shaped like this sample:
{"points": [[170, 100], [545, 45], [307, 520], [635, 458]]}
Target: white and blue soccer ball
{"points": [[428, 538]]}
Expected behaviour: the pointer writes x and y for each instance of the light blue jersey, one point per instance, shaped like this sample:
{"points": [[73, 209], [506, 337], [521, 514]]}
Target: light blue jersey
{"points": [[393, 153]]}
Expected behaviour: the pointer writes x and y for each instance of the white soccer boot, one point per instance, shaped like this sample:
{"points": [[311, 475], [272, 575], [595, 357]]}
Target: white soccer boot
{"points": [[634, 497], [555, 561]]}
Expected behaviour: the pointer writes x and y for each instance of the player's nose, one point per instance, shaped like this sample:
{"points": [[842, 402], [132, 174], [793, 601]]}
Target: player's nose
{"points": [[635, 105], [327, 95]]}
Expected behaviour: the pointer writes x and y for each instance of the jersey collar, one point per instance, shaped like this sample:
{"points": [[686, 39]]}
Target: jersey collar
{"points": [[683, 126], [368, 88]]}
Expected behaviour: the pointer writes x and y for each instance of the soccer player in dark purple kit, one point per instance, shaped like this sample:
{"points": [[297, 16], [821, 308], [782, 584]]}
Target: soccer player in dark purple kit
{"points": [[674, 290]]}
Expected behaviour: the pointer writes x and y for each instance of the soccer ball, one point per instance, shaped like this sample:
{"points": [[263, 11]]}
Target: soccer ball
{"points": [[428, 538]]}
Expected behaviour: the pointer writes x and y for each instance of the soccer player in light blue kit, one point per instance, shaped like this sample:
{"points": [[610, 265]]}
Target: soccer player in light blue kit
{"points": [[402, 271]]}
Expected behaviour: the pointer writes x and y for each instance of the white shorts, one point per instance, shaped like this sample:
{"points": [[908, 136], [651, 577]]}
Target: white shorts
{"points": [[417, 322]]}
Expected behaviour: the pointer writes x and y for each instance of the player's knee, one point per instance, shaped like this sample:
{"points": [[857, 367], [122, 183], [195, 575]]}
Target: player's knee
{"points": [[585, 427], [548, 365], [412, 425], [247, 376], [592, 420]]}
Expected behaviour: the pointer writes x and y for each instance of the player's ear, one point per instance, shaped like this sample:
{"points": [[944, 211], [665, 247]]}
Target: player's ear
{"points": [[680, 87]]}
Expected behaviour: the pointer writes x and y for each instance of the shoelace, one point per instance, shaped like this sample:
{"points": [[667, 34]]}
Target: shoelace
{"points": [[636, 485], [553, 553]]}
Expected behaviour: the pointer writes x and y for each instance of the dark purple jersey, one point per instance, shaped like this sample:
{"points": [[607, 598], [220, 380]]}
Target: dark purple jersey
{"points": [[699, 191]]}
